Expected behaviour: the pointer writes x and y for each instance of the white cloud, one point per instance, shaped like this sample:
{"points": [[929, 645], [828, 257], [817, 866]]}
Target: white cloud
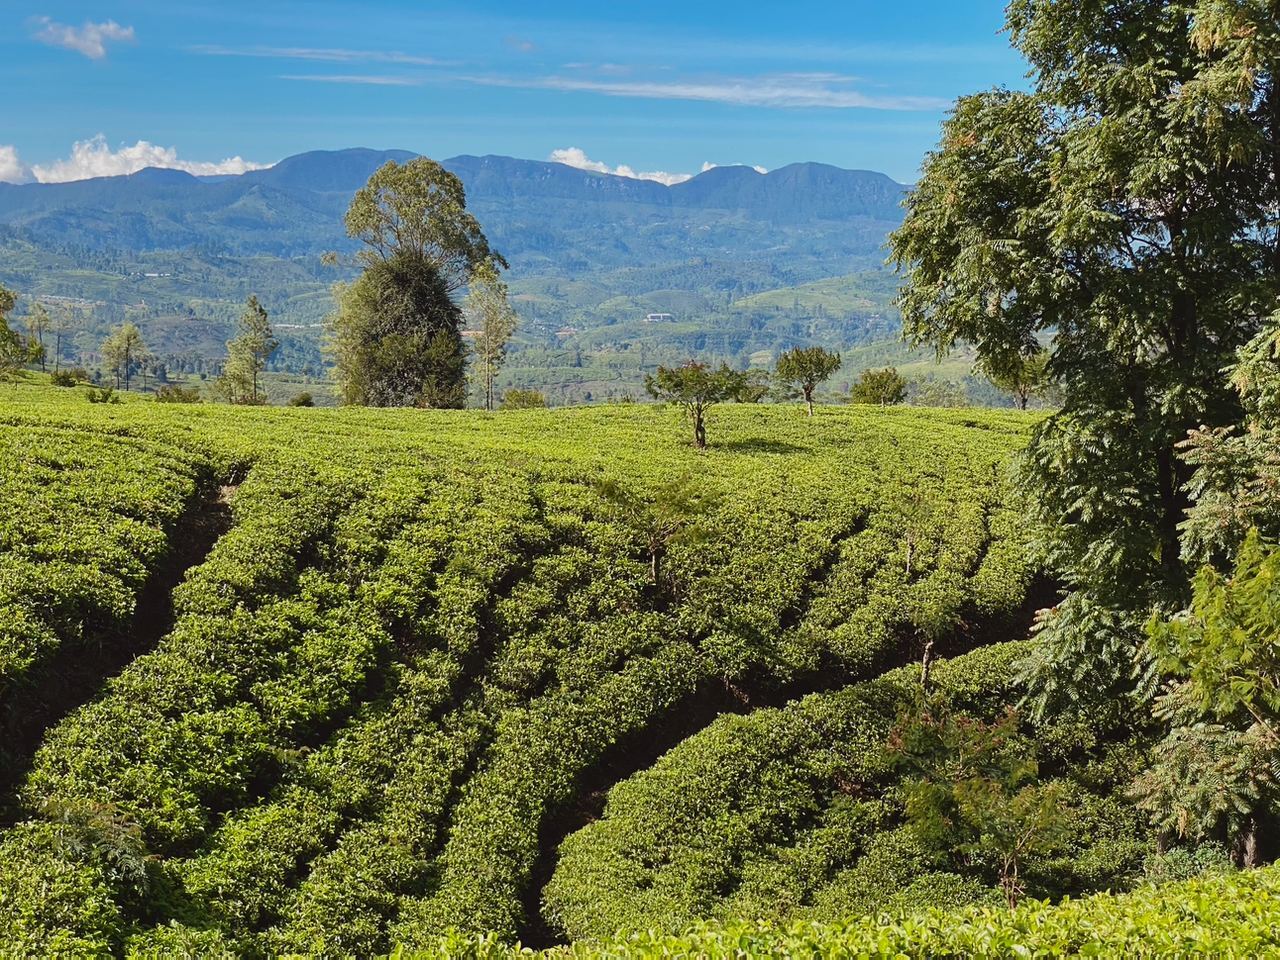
{"points": [[780, 91], [91, 39], [576, 157], [94, 158], [12, 170], [323, 54]]}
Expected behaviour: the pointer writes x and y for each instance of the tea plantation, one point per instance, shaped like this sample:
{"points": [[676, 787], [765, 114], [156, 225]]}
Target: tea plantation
{"points": [[536, 675]]}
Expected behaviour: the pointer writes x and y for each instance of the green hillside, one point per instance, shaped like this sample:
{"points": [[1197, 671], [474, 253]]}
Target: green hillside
{"points": [[333, 680]]}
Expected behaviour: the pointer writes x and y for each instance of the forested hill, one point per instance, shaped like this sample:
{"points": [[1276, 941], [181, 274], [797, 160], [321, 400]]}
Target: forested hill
{"points": [[295, 207], [746, 264]]}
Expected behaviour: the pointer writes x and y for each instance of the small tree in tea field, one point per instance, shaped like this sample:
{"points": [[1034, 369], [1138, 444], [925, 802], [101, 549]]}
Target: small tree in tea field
{"points": [[696, 387], [802, 369], [884, 387]]}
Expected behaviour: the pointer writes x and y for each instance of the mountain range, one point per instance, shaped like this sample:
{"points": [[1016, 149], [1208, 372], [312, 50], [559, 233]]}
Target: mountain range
{"points": [[747, 263]]}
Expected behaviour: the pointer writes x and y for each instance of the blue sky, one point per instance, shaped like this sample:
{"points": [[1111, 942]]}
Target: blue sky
{"points": [[658, 87]]}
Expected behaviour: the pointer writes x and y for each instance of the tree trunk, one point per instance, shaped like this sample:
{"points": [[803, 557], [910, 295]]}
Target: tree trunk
{"points": [[808, 399], [1246, 852], [699, 430], [653, 565], [926, 665]]}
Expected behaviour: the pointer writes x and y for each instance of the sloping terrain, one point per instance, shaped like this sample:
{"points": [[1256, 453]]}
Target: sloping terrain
{"points": [[591, 255], [432, 647]]}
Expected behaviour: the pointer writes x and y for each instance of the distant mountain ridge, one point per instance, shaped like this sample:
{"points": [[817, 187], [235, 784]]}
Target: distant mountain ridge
{"points": [[745, 263], [305, 195]]}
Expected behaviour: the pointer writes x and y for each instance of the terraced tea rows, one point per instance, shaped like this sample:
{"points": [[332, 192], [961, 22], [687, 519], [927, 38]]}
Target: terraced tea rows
{"points": [[430, 644]]}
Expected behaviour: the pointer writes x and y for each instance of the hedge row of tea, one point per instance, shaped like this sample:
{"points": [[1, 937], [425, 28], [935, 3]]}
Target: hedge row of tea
{"points": [[426, 634], [795, 813], [84, 519], [1223, 915]]}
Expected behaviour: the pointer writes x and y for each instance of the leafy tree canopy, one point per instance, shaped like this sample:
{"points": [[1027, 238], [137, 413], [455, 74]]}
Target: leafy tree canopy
{"points": [[885, 387], [1126, 202], [696, 387], [420, 208], [801, 369]]}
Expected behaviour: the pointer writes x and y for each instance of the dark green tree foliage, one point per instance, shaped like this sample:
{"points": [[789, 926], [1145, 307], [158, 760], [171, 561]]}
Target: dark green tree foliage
{"points": [[696, 387], [884, 387], [802, 369], [397, 340], [13, 348], [1023, 377], [1218, 770], [1126, 202], [972, 791]]}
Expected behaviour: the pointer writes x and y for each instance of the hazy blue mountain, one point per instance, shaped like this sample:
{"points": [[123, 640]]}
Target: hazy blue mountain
{"points": [[296, 206], [740, 259]]}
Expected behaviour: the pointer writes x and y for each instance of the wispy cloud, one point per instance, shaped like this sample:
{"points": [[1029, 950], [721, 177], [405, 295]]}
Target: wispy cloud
{"points": [[521, 44], [576, 157], [778, 91], [322, 54], [90, 39], [356, 78], [95, 158]]}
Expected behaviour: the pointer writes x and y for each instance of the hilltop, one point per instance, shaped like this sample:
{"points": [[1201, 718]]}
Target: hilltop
{"points": [[731, 254]]}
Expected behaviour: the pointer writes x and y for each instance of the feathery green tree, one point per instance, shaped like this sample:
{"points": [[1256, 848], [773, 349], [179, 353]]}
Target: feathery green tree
{"points": [[123, 351], [1127, 203], [247, 354], [493, 322]]}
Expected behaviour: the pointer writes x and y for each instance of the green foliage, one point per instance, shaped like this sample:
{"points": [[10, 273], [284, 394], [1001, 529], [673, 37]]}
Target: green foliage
{"points": [[493, 321], [102, 395], [303, 399], [172, 393], [665, 518], [696, 387], [123, 352], [1218, 915], [1022, 376], [884, 387], [396, 337], [971, 790], [14, 352], [523, 400], [1123, 204], [417, 211], [247, 355], [802, 369], [1220, 764], [63, 378]]}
